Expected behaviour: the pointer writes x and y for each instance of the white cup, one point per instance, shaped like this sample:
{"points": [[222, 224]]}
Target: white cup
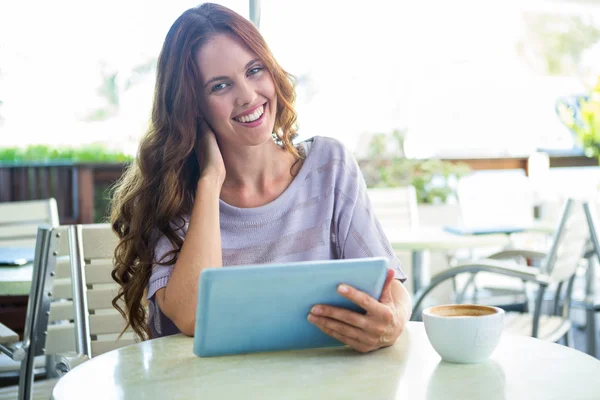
{"points": [[464, 333]]}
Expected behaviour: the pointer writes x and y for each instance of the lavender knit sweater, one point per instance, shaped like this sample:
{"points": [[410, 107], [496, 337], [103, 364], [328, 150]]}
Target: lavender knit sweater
{"points": [[324, 214]]}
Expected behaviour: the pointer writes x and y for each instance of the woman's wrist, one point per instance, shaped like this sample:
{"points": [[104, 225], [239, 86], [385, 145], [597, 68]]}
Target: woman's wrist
{"points": [[210, 181]]}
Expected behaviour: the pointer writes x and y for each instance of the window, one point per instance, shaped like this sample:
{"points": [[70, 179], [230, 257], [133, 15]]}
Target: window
{"points": [[463, 77]]}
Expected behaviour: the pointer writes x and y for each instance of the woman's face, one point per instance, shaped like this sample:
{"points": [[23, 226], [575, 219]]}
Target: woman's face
{"points": [[238, 93]]}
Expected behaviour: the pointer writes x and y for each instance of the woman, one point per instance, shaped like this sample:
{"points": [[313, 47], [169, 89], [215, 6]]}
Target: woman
{"points": [[218, 182]]}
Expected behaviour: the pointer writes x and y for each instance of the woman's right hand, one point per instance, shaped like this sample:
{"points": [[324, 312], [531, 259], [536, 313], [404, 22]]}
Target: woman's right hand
{"points": [[209, 155]]}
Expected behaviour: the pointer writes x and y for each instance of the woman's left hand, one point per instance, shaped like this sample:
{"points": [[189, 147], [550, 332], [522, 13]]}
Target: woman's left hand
{"points": [[380, 327]]}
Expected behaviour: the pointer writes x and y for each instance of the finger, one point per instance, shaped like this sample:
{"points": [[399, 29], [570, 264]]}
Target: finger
{"points": [[344, 329], [361, 299], [203, 125], [352, 318], [355, 344], [386, 292]]}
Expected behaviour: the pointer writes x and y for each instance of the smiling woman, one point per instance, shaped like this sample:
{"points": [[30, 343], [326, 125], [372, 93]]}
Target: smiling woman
{"points": [[218, 182], [241, 104]]}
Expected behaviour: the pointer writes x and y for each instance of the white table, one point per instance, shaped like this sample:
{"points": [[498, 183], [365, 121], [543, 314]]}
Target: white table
{"points": [[166, 368], [419, 240], [16, 281], [15, 256]]}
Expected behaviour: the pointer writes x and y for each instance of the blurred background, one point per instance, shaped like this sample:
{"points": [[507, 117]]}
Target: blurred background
{"points": [[393, 80], [466, 113]]}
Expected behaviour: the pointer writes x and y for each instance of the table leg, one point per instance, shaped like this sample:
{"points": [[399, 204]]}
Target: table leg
{"points": [[590, 299], [51, 366], [591, 331], [418, 266]]}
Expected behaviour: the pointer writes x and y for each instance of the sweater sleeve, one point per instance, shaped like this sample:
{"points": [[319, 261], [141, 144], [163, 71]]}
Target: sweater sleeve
{"points": [[359, 233], [160, 272]]}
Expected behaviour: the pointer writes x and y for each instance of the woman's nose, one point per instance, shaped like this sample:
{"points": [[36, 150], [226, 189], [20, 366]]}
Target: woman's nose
{"points": [[245, 94]]}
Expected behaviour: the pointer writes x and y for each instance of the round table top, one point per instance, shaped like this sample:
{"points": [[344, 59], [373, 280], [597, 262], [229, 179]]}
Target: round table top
{"points": [[16, 281], [520, 368], [435, 238], [16, 270]]}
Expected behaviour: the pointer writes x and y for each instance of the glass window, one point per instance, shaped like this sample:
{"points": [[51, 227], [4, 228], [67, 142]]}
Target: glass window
{"points": [[463, 77], [73, 72]]}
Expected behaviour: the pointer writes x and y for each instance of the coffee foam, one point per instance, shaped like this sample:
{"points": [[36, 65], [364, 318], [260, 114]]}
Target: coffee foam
{"points": [[462, 310]]}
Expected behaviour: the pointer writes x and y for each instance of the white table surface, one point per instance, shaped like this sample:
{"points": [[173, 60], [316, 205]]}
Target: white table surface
{"points": [[166, 368], [435, 238], [16, 281]]}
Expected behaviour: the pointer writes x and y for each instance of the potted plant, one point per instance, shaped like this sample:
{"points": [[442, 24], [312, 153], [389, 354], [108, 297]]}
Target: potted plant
{"points": [[581, 114], [388, 166]]}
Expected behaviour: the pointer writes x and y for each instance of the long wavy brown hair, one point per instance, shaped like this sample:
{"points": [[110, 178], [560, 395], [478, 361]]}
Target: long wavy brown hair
{"points": [[158, 189]]}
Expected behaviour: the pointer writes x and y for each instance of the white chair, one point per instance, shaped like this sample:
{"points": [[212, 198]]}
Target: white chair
{"points": [[494, 199], [395, 206], [41, 336], [556, 276], [80, 321], [586, 296], [19, 221], [92, 252]]}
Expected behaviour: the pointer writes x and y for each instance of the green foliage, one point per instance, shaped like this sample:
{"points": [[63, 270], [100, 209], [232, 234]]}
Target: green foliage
{"points": [[110, 89], [586, 122], [431, 178], [41, 153], [560, 40], [102, 203]]}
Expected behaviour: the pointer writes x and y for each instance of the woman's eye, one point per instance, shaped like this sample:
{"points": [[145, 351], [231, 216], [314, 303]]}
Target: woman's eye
{"points": [[255, 70], [218, 86]]}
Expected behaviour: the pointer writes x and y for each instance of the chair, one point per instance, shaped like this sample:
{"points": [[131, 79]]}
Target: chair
{"points": [[496, 199], [588, 299], [41, 337], [92, 251], [394, 206], [79, 322], [19, 221], [555, 275]]}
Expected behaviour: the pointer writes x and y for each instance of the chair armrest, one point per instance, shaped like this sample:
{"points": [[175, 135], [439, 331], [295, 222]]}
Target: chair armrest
{"points": [[500, 267], [68, 361], [10, 345], [7, 335], [491, 266], [589, 253], [511, 253]]}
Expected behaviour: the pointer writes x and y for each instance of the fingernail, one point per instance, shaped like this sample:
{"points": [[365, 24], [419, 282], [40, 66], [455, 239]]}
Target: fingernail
{"points": [[316, 310], [343, 289], [311, 318]]}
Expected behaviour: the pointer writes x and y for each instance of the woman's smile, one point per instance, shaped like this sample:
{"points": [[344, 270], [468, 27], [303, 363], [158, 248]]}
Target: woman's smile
{"points": [[253, 117]]}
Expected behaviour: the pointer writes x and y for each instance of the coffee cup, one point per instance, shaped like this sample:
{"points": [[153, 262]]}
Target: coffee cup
{"points": [[464, 333]]}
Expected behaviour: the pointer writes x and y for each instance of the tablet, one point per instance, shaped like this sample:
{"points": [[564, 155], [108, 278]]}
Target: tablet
{"points": [[255, 308]]}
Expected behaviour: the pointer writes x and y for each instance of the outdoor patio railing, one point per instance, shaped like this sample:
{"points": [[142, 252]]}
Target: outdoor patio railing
{"points": [[77, 188], [81, 189]]}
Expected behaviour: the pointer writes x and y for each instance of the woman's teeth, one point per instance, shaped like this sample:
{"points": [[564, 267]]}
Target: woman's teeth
{"points": [[252, 117]]}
